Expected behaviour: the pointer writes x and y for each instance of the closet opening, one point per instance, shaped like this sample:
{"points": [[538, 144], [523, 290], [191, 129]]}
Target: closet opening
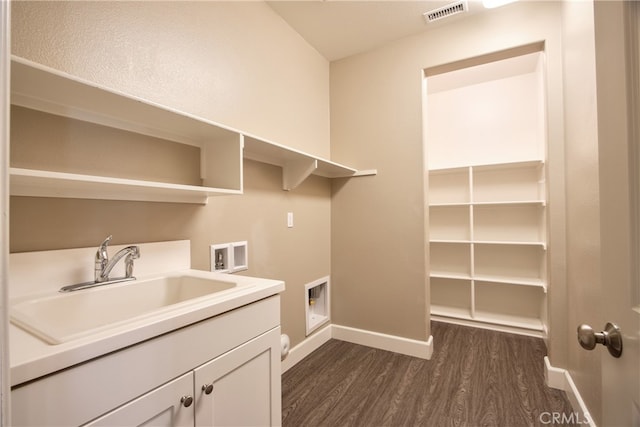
{"points": [[485, 143]]}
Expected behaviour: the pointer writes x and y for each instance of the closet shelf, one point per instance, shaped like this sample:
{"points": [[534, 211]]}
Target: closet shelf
{"points": [[490, 203], [454, 312], [509, 320], [520, 322], [510, 243], [446, 275], [518, 281], [490, 242], [449, 205], [479, 279], [44, 89], [511, 203], [518, 164]]}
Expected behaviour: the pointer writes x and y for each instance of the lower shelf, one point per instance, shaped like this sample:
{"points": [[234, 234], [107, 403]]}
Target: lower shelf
{"points": [[509, 320], [36, 183], [455, 312], [513, 324], [510, 308]]}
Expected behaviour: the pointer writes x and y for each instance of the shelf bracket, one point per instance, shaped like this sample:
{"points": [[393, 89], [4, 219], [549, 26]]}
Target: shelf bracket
{"points": [[366, 172], [296, 171]]}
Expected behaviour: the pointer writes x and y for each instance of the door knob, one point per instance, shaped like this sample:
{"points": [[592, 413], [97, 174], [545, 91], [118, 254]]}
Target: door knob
{"points": [[610, 338]]}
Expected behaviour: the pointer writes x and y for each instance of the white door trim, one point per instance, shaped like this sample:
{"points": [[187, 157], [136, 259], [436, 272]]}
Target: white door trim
{"points": [[5, 49]]}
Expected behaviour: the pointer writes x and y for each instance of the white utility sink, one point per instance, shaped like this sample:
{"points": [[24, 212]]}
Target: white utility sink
{"points": [[61, 317]]}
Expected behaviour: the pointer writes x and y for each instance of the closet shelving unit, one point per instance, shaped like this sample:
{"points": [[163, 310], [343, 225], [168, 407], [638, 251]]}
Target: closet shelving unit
{"points": [[487, 239], [222, 149]]}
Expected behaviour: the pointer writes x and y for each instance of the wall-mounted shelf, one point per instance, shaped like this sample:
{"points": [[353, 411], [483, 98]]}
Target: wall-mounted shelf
{"points": [[488, 245], [37, 87], [37, 183], [296, 165]]}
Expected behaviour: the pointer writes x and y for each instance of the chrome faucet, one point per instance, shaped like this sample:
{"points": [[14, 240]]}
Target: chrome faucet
{"points": [[103, 266]]}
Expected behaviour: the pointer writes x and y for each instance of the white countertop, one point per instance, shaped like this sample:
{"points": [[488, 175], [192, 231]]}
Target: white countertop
{"points": [[31, 357]]}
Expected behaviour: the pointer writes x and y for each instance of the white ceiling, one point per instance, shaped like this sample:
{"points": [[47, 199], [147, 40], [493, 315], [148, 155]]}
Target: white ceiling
{"points": [[341, 28]]}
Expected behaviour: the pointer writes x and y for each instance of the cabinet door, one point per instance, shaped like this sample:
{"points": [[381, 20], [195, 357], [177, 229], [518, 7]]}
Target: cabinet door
{"points": [[243, 384], [160, 407]]}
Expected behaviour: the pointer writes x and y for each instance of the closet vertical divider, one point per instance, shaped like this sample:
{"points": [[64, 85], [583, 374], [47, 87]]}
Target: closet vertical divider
{"points": [[471, 245]]}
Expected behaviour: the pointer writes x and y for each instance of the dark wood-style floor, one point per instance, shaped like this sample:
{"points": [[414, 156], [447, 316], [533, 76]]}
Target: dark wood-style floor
{"points": [[475, 378]]}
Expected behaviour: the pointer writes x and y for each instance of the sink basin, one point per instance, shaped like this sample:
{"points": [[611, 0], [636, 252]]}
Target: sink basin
{"points": [[63, 317]]}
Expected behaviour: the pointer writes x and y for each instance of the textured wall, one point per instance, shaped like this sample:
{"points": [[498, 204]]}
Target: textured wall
{"points": [[234, 63]]}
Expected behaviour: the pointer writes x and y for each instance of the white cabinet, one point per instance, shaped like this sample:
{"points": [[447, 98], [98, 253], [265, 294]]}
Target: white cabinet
{"points": [[222, 149], [239, 388], [488, 250], [235, 389], [237, 352]]}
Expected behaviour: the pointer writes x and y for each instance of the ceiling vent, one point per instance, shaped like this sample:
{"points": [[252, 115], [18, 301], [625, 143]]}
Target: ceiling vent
{"points": [[445, 11]]}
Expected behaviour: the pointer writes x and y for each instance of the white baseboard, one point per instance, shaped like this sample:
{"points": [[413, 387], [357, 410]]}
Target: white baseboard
{"points": [[554, 377], [306, 347], [410, 347], [561, 379]]}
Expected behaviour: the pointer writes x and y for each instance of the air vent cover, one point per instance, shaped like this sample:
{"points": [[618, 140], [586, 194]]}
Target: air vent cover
{"points": [[445, 11]]}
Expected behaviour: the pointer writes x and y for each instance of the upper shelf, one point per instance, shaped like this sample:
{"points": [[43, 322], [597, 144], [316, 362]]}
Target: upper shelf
{"points": [[296, 165], [45, 89], [41, 88]]}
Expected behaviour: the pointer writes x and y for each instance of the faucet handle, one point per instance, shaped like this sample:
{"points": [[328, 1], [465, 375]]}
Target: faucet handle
{"points": [[106, 241], [128, 261], [102, 257], [102, 249]]}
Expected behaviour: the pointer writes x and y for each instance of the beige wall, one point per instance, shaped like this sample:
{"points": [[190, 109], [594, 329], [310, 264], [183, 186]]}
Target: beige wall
{"points": [[235, 63], [378, 232]]}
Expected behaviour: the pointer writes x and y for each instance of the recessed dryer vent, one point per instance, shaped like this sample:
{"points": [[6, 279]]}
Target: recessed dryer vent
{"points": [[445, 11], [317, 304]]}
